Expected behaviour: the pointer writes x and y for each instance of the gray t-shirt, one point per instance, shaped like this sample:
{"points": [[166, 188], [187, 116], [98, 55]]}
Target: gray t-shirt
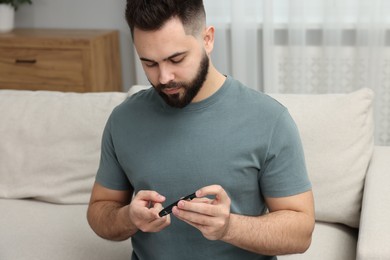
{"points": [[238, 138]]}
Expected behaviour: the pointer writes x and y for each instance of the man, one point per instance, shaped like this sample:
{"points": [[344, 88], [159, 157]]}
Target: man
{"points": [[198, 131]]}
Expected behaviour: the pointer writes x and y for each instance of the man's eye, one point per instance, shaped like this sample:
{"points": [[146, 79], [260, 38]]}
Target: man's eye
{"points": [[177, 60], [150, 64]]}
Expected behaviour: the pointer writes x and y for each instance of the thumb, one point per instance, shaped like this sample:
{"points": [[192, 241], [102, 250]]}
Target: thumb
{"points": [[214, 190]]}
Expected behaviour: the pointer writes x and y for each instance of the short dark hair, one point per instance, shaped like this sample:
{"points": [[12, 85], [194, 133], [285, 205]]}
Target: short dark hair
{"points": [[151, 15]]}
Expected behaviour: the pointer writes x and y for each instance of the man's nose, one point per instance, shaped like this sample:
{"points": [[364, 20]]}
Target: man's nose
{"points": [[166, 74]]}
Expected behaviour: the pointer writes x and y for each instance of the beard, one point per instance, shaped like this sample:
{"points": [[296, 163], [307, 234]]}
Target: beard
{"points": [[191, 89]]}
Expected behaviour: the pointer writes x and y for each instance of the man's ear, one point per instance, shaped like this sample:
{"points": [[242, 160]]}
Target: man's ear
{"points": [[208, 39]]}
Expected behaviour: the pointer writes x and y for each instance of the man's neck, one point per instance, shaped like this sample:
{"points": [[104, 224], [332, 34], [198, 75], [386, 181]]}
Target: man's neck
{"points": [[212, 84]]}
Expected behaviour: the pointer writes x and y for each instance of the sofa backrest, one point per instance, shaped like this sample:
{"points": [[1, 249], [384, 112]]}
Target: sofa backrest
{"points": [[337, 136], [50, 143]]}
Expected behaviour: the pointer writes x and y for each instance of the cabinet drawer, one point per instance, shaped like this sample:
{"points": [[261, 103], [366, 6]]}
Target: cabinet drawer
{"points": [[49, 69]]}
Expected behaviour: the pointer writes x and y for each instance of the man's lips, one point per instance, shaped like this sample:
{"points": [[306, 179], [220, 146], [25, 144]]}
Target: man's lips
{"points": [[171, 91]]}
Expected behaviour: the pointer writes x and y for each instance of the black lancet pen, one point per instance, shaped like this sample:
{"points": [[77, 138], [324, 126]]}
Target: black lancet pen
{"points": [[168, 210]]}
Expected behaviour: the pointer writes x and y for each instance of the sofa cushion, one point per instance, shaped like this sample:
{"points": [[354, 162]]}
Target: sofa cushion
{"points": [[38, 230], [50, 143], [329, 241], [337, 136]]}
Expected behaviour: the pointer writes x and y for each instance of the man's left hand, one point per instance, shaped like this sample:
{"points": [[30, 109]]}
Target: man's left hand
{"points": [[210, 216]]}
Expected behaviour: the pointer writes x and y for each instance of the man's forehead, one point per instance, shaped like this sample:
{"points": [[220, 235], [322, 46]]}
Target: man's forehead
{"points": [[163, 43]]}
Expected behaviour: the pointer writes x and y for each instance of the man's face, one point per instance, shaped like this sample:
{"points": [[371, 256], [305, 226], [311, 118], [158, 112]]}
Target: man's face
{"points": [[180, 94], [175, 63]]}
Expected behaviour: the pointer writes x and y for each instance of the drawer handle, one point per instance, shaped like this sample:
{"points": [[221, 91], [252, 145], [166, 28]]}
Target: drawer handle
{"points": [[25, 61]]}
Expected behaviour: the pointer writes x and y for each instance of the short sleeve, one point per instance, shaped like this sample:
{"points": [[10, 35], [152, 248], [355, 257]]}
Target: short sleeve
{"points": [[110, 174], [284, 173]]}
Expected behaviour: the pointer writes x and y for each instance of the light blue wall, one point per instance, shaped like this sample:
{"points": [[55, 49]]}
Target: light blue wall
{"points": [[83, 14]]}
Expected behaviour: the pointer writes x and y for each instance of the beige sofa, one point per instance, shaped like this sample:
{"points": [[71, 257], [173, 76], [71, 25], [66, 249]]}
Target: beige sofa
{"points": [[49, 154]]}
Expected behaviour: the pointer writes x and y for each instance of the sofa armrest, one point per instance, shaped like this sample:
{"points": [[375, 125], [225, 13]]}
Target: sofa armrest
{"points": [[374, 232]]}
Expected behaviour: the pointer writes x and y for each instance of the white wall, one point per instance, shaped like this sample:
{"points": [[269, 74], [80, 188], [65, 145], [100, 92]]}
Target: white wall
{"points": [[83, 14]]}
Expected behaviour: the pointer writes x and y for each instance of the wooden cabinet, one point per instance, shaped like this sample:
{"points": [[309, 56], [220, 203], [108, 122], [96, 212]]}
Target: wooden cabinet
{"points": [[61, 60]]}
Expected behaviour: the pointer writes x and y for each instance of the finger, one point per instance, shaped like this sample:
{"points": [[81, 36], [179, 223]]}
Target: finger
{"points": [[156, 225], [201, 208], [160, 220], [148, 195], [215, 190], [202, 200], [191, 217], [150, 213], [162, 223], [157, 206]]}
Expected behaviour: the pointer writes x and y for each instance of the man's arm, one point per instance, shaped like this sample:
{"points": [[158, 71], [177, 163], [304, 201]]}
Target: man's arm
{"points": [[286, 229], [112, 216]]}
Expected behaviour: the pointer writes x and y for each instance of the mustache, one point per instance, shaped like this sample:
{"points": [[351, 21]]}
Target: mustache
{"points": [[169, 85]]}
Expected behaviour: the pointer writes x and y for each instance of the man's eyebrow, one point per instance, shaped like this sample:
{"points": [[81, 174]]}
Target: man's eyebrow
{"points": [[168, 58]]}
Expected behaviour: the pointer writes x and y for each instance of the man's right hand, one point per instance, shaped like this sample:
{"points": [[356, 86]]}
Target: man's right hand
{"points": [[113, 215], [144, 209]]}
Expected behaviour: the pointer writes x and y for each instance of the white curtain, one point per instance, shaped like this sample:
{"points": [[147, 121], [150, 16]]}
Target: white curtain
{"points": [[305, 46]]}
